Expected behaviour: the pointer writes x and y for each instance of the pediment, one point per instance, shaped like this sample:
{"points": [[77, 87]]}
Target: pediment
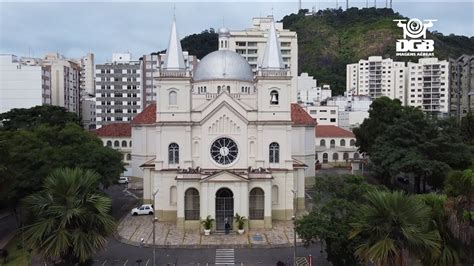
{"points": [[225, 176], [224, 99]]}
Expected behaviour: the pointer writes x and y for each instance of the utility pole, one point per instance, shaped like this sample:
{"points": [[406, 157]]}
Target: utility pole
{"points": [[295, 206], [154, 222]]}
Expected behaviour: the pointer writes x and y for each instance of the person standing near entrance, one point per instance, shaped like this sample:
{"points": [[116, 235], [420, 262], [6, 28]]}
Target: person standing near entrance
{"points": [[226, 225]]}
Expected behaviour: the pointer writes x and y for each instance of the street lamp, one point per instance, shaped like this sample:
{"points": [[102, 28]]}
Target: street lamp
{"points": [[154, 222], [295, 205]]}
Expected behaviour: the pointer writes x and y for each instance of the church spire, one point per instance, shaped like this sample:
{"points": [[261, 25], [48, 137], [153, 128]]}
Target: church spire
{"points": [[272, 56], [174, 54]]}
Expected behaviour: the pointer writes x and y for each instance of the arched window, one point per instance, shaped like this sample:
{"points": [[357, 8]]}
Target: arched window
{"points": [[343, 143], [173, 98], [116, 143], [124, 143], [274, 97], [173, 153], [274, 150], [274, 194], [335, 156], [325, 158], [228, 89], [345, 156], [109, 143], [218, 89], [352, 142], [130, 145], [256, 204], [332, 143], [173, 195], [322, 143], [356, 155], [129, 157], [191, 204]]}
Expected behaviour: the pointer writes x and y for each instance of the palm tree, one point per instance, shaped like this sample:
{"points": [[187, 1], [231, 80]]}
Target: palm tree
{"points": [[69, 218], [391, 227]]}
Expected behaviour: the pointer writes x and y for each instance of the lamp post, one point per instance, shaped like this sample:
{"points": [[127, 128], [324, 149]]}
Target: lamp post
{"points": [[295, 205], [154, 222]]}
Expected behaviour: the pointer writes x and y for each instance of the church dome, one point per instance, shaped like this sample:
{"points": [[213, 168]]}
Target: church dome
{"points": [[223, 31], [223, 64]]}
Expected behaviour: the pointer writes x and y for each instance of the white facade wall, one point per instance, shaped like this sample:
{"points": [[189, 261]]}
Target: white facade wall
{"points": [[20, 85], [428, 85], [325, 152], [87, 80], [124, 145], [377, 77], [324, 115]]}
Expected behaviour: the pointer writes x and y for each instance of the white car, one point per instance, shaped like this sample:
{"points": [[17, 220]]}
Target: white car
{"points": [[123, 180], [144, 209]]}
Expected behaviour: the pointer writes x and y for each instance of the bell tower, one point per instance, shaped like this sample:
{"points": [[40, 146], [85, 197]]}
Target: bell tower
{"points": [[224, 35]]}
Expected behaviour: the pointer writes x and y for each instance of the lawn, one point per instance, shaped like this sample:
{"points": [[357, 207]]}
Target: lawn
{"points": [[16, 256]]}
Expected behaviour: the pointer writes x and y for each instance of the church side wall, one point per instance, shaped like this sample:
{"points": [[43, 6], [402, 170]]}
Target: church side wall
{"points": [[143, 140]]}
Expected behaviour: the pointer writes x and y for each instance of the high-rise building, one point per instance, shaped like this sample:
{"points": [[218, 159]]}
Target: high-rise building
{"points": [[462, 85], [118, 93], [149, 65], [377, 77], [65, 81], [428, 85], [23, 83], [251, 44], [87, 79]]}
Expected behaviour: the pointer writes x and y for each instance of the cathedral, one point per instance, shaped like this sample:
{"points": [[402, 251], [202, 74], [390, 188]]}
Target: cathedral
{"points": [[223, 139]]}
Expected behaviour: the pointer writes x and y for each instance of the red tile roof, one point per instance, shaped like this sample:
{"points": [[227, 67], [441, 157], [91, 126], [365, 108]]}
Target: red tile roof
{"points": [[147, 116], [300, 117], [332, 131], [115, 130]]}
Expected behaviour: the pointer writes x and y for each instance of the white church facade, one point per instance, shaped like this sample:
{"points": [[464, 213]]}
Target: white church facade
{"points": [[223, 139]]}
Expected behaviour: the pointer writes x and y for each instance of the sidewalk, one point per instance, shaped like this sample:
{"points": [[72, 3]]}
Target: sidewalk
{"points": [[132, 228]]}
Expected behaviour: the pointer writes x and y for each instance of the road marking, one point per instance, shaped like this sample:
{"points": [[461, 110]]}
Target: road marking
{"points": [[125, 263], [131, 194], [146, 264], [225, 256], [103, 263]]}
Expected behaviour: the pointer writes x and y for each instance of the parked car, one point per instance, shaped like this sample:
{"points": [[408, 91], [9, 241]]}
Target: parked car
{"points": [[123, 180], [143, 210]]}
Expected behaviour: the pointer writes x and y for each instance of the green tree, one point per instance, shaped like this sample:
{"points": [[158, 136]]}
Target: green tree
{"points": [[467, 128], [391, 227], [460, 183], [69, 218], [29, 155], [35, 116], [450, 251], [336, 200]]}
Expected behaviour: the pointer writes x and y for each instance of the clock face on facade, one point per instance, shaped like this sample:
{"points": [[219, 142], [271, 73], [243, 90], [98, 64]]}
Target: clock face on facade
{"points": [[224, 151]]}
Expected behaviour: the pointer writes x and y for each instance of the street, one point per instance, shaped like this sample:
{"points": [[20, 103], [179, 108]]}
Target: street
{"points": [[118, 253]]}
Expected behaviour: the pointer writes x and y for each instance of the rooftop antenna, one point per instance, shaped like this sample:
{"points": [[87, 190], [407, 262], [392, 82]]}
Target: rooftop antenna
{"points": [[375, 3], [390, 4], [386, 3], [337, 4], [347, 4], [366, 3], [299, 6], [174, 11]]}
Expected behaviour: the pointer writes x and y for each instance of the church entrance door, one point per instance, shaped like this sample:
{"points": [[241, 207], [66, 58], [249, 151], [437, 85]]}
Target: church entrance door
{"points": [[224, 208]]}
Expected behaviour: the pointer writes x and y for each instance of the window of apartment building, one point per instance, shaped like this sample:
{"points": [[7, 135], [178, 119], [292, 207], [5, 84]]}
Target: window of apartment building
{"points": [[333, 120], [312, 112], [333, 112]]}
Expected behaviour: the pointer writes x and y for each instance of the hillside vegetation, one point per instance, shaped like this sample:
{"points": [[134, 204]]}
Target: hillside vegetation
{"points": [[331, 39]]}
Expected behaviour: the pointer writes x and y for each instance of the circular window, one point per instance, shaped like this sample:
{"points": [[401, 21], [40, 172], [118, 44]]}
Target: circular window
{"points": [[224, 151]]}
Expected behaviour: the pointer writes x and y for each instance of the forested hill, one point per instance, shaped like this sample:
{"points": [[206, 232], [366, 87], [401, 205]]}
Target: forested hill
{"points": [[333, 38]]}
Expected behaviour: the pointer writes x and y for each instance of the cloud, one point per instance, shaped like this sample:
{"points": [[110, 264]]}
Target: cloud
{"points": [[75, 28]]}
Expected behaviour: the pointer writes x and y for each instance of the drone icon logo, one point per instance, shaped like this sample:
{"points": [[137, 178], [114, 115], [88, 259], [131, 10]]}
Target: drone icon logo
{"points": [[414, 40]]}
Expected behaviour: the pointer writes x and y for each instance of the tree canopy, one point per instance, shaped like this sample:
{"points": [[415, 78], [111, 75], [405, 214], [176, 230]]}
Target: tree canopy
{"points": [[69, 218], [31, 151]]}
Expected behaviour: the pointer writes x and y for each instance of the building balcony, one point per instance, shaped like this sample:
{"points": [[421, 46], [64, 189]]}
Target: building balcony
{"points": [[174, 73], [274, 73]]}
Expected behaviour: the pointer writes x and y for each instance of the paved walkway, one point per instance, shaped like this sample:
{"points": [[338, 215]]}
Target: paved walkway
{"points": [[133, 228]]}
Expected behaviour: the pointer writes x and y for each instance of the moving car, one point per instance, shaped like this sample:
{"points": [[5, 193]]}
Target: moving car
{"points": [[143, 210], [123, 180]]}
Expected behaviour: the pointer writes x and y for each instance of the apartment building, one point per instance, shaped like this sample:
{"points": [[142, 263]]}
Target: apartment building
{"points": [[24, 83], [462, 85], [251, 43], [428, 85], [149, 65], [65, 81], [324, 115], [118, 93], [377, 77], [308, 91]]}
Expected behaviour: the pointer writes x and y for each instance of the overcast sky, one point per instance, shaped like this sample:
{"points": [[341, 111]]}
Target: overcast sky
{"points": [[75, 28]]}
